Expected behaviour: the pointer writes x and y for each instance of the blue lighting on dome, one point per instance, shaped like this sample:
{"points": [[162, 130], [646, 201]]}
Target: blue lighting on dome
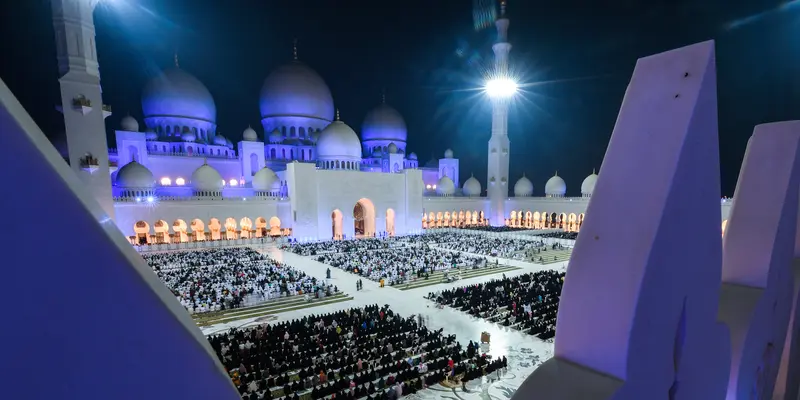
{"points": [[176, 93], [384, 123], [295, 90]]}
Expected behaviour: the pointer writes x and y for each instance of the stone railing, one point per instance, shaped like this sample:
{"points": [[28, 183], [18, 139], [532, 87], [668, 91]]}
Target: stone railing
{"points": [[230, 156]]}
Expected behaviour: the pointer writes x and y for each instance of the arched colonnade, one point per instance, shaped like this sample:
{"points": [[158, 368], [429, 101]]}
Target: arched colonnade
{"points": [[454, 219], [198, 230]]}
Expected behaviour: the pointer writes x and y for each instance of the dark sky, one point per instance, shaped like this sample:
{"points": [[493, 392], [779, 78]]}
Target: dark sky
{"points": [[428, 54]]}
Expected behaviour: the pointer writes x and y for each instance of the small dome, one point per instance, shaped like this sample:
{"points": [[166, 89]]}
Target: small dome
{"points": [[523, 187], [150, 134], [250, 135], [275, 137], [188, 136], [445, 186], [338, 141], [412, 156], [220, 140], [448, 153], [228, 143], [587, 187], [471, 187], [135, 175], [129, 124], [206, 178], [377, 153], [392, 148], [296, 90], [384, 123], [315, 136], [176, 93], [264, 180], [555, 186]]}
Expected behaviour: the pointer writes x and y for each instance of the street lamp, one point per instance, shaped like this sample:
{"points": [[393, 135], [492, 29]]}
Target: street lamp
{"points": [[500, 88]]}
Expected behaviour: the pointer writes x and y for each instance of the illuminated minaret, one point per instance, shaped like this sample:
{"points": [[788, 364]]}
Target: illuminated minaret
{"points": [[499, 143], [81, 99]]}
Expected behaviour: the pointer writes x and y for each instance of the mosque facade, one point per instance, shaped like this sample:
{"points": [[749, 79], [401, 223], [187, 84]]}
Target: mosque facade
{"points": [[303, 173]]}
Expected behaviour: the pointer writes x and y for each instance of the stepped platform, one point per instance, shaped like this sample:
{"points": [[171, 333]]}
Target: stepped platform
{"points": [[438, 277], [266, 309], [552, 256]]}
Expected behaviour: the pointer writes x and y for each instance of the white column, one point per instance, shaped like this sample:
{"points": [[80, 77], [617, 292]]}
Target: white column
{"points": [[81, 99]]}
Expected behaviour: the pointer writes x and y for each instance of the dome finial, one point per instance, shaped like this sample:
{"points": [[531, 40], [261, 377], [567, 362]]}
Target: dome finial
{"points": [[294, 49], [337, 115], [556, 173], [503, 4], [594, 171], [205, 160], [177, 64], [383, 96]]}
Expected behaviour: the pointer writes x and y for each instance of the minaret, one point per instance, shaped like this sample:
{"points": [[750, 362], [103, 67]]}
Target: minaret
{"points": [[81, 99], [499, 144]]}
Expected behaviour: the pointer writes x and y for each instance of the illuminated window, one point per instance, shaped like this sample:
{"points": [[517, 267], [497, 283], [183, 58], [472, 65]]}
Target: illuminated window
{"points": [[429, 187], [223, 182], [234, 182], [180, 182], [166, 181], [434, 186]]}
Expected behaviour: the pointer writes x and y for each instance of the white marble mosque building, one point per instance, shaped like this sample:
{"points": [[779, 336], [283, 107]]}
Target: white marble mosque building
{"points": [[303, 173]]}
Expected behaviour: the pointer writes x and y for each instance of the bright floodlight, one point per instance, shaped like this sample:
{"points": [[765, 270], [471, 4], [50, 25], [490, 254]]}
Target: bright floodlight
{"points": [[501, 88]]}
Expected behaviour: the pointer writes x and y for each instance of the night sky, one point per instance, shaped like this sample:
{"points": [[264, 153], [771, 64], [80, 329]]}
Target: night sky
{"points": [[430, 56]]}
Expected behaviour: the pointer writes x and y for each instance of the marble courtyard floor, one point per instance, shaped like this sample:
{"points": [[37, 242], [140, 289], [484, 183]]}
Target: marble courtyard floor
{"points": [[524, 352]]}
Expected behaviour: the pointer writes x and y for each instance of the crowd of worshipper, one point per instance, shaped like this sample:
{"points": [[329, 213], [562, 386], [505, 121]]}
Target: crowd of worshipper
{"points": [[398, 265], [368, 352], [560, 235], [489, 228], [528, 302], [354, 245], [221, 279], [495, 246]]}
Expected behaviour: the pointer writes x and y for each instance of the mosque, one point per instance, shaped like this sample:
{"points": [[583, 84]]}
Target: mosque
{"points": [[303, 173]]}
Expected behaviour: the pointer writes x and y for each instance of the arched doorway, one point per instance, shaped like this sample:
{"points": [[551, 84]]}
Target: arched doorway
{"points": [[142, 230], [261, 227], [336, 224], [179, 227], [536, 218], [364, 218], [390, 222], [246, 226], [215, 228], [230, 229], [573, 221], [198, 229], [274, 226], [162, 231]]}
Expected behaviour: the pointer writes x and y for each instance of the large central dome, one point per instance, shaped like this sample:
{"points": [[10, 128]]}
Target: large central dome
{"points": [[295, 89], [176, 93], [384, 123]]}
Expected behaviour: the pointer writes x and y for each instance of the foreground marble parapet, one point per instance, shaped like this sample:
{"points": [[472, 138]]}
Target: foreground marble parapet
{"points": [[637, 318], [788, 381], [84, 310], [757, 277]]}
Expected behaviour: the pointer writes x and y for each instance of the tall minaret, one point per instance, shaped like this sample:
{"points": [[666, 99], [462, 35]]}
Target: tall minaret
{"points": [[81, 100], [497, 181]]}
